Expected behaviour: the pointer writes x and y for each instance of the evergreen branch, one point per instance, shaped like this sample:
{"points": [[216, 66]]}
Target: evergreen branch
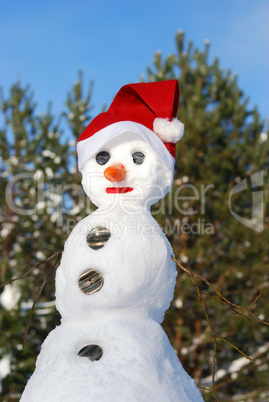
{"points": [[31, 269], [228, 302], [38, 295], [212, 330], [192, 275], [235, 347], [230, 305], [227, 305], [235, 366]]}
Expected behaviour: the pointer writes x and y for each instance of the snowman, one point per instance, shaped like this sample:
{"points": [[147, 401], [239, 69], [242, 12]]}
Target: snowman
{"points": [[116, 278]]}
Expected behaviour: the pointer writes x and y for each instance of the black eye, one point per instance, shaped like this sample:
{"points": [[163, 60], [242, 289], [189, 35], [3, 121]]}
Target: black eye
{"points": [[138, 158], [102, 157]]}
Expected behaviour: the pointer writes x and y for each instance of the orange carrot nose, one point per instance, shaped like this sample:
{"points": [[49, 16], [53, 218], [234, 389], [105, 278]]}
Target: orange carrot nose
{"points": [[115, 173]]}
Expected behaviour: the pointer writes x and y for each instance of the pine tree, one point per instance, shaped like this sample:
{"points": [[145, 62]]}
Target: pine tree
{"points": [[40, 199], [222, 147]]}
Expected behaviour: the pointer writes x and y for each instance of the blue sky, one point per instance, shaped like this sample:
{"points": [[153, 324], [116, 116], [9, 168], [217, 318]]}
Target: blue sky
{"points": [[46, 43]]}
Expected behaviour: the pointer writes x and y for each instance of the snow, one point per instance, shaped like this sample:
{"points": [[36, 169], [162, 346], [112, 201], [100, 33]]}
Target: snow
{"points": [[184, 258], [49, 171], [10, 297], [4, 368], [44, 308], [54, 216], [14, 160], [151, 180], [144, 279], [40, 255], [184, 351], [5, 174], [138, 364], [48, 154], [263, 137], [178, 303], [6, 229], [123, 318], [40, 205], [26, 305], [235, 367], [38, 174]]}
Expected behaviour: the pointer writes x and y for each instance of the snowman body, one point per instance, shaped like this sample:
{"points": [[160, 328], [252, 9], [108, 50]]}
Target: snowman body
{"points": [[137, 363], [116, 278], [133, 275]]}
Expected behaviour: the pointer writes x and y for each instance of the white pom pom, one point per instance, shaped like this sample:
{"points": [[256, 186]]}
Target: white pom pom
{"points": [[168, 131]]}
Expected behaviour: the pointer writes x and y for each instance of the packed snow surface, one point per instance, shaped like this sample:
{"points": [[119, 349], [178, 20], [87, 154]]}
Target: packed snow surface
{"points": [[134, 275], [138, 363]]}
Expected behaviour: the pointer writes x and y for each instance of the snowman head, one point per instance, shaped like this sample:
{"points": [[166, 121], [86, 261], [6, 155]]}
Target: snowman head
{"points": [[126, 170], [128, 152]]}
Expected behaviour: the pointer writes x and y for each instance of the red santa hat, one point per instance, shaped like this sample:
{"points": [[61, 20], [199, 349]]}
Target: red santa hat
{"points": [[148, 109]]}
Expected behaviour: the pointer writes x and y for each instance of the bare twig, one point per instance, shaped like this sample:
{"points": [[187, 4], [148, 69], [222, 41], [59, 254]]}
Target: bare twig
{"points": [[228, 302], [256, 299], [227, 305], [31, 269], [223, 300], [212, 330], [39, 293], [235, 366]]}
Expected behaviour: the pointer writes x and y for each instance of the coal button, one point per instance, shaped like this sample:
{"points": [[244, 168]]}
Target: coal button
{"points": [[93, 352], [90, 281], [97, 237]]}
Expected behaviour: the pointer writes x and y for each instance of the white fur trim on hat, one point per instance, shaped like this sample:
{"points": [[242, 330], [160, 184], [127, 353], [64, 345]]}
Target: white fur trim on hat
{"points": [[168, 131], [90, 146]]}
